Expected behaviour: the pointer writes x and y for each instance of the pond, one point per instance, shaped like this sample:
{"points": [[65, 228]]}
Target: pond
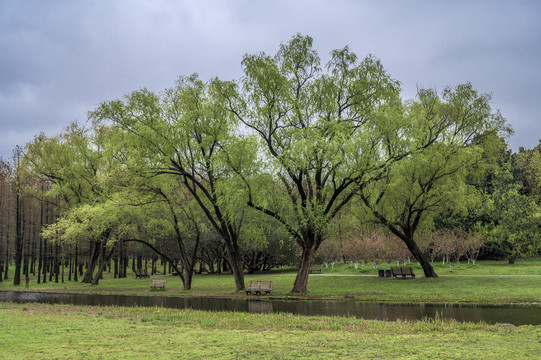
{"points": [[511, 315]]}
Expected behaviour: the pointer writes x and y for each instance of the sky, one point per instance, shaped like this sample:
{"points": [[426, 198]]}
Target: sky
{"points": [[60, 59]]}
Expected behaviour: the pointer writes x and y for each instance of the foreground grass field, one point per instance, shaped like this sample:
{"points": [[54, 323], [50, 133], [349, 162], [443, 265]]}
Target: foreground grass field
{"points": [[500, 289], [37, 331]]}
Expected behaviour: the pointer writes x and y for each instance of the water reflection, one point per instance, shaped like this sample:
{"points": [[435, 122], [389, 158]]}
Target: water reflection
{"points": [[516, 316]]}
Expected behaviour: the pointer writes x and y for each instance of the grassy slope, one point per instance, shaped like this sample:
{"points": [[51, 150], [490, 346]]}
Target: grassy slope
{"points": [[36, 331]]}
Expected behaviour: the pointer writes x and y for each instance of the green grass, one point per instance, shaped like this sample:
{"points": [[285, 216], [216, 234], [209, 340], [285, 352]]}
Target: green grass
{"points": [[531, 266], [479, 290], [39, 331]]}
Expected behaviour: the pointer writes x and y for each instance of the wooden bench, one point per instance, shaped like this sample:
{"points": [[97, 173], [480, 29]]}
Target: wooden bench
{"points": [[141, 273], [259, 287], [403, 272], [317, 268], [158, 284]]}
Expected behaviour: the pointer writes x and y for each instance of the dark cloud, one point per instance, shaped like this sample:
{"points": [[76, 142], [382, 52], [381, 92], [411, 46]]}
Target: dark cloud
{"points": [[60, 59]]}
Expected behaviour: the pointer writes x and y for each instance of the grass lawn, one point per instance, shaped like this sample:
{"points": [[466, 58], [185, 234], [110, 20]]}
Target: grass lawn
{"points": [[446, 289], [39, 331], [531, 266]]}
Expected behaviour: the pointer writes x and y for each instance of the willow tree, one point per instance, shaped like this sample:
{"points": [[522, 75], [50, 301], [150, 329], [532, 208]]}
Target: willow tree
{"points": [[161, 214], [186, 133], [323, 134], [434, 180], [79, 168]]}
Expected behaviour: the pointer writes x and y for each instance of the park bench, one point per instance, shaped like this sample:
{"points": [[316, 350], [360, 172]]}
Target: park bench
{"points": [[158, 284], [259, 287], [141, 273], [403, 272], [315, 268]]}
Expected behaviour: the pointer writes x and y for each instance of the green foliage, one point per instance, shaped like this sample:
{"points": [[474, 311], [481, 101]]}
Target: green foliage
{"points": [[431, 176], [515, 222]]}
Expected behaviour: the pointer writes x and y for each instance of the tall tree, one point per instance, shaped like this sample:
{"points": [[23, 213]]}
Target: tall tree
{"points": [[512, 220], [433, 178], [186, 133], [322, 134], [18, 216], [79, 168]]}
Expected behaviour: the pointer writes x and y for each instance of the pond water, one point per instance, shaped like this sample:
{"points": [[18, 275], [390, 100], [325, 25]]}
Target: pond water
{"points": [[511, 315]]}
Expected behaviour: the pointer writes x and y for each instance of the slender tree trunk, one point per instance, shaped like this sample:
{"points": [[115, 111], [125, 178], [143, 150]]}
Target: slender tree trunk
{"points": [[63, 263], [18, 239], [40, 261], [75, 262], [1, 250], [2, 222], [56, 264], [6, 268], [26, 241]]}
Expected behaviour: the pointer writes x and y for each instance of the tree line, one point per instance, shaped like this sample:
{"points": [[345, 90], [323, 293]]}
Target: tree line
{"points": [[275, 166]]}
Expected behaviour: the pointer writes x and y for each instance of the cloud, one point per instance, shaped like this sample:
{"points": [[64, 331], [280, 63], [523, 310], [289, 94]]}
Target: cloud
{"points": [[60, 59]]}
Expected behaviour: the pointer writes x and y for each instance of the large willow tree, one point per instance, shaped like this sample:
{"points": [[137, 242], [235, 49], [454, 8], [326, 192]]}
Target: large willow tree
{"points": [[186, 133], [324, 133], [331, 134]]}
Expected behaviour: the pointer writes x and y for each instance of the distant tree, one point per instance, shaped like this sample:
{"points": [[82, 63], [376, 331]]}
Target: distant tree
{"points": [[472, 247], [79, 168], [330, 251], [527, 171], [515, 225]]}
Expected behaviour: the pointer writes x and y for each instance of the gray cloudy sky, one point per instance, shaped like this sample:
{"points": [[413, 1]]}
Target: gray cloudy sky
{"points": [[59, 59]]}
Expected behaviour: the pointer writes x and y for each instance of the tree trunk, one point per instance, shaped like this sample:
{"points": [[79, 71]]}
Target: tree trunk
{"points": [[301, 281], [94, 256], [187, 281], [18, 240], [56, 264], [235, 261], [102, 266], [75, 262], [420, 257], [45, 255], [63, 264], [511, 259], [40, 254]]}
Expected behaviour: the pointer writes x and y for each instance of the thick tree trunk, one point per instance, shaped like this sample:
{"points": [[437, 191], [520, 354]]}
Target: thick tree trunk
{"points": [[420, 257], [301, 281], [235, 261], [102, 266], [93, 260]]}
